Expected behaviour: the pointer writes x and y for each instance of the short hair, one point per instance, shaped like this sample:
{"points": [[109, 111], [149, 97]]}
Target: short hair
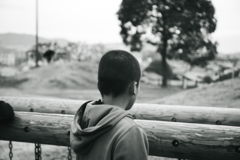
{"points": [[117, 69]]}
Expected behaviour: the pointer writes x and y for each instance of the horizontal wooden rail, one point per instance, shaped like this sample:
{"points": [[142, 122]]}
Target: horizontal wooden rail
{"points": [[176, 140], [203, 115]]}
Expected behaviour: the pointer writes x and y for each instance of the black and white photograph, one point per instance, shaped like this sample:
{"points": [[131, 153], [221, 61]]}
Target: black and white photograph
{"points": [[120, 79]]}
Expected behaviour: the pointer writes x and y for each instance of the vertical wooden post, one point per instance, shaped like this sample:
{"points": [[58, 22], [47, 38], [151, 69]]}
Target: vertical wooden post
{"points": [[184, 82], [196, 83], [159, 82], [220, 76]]}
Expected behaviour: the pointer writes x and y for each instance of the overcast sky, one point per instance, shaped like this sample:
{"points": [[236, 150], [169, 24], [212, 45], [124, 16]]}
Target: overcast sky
{"points": [[95, 21]]}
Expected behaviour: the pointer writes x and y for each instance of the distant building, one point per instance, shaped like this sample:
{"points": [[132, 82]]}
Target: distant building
{"points": [[7, 58]]}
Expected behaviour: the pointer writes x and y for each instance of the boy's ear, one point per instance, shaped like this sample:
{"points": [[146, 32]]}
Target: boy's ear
{"points": [[133, 88]]}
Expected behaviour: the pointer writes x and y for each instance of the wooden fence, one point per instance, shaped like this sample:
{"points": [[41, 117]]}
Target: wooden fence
{"points": [[229, 74], [174, 139], [189, 114]]}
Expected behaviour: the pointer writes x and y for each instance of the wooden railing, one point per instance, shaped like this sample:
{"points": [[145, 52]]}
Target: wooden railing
{"points": [[232, 73], [166, 139], [189, 114]]}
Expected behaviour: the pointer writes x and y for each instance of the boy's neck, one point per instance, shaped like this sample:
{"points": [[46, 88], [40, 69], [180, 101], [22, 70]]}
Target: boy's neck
{"points": [[120, 101]]}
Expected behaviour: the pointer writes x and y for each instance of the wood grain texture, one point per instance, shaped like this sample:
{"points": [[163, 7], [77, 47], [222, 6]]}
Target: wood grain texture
{"points": [[189, 114], [37, 128], [193, 141], [166, 139], [56, 106]]}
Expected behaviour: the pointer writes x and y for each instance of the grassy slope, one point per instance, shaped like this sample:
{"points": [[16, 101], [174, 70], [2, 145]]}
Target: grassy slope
{"points": [[77, 75], [221, 94]]}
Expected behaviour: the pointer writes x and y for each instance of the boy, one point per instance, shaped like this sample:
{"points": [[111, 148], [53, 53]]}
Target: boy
{"points": [[105, 130]]}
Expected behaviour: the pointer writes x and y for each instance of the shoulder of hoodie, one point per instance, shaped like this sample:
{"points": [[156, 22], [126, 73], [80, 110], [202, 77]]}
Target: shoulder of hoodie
{"points": [[126, 125], [128, 122]]}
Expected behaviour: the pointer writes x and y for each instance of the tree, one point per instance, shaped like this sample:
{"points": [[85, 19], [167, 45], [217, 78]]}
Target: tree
{"points": [[36, 53], [178, 28], [48, 55]]}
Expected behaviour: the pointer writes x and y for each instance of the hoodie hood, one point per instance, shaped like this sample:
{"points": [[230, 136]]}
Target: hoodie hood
{"points": [[92, 120]]}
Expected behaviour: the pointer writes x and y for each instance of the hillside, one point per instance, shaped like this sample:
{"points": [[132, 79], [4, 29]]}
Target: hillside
{"points": [[73, 80], [71, 75], [13, 40], [220, 94], [228, 56]]}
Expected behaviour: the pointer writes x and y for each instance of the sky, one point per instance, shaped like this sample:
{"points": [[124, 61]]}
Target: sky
{"points": [[95, 21]]}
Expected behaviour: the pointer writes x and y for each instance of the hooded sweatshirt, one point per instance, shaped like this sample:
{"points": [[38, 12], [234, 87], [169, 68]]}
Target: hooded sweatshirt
{"points": [[107, 132]]}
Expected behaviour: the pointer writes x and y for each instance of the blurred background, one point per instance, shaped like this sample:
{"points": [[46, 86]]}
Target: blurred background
{"points": [[188, 50]]}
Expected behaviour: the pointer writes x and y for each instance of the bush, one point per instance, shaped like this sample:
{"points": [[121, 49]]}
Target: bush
{"points": [[207, 79]]}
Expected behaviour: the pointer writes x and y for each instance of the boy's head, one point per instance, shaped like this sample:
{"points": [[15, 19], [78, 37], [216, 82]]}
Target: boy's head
{"points": [[117, 70]]}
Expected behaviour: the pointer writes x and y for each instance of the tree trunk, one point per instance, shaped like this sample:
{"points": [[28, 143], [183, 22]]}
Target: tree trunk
{"points": [[163, 52], [164, 63]]}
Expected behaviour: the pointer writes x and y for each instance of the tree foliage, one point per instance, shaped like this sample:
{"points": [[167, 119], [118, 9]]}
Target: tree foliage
{"points": [[178, 28]]}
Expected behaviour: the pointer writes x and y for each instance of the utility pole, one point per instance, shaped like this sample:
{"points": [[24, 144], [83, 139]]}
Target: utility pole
{"points": [[36, 50]]}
